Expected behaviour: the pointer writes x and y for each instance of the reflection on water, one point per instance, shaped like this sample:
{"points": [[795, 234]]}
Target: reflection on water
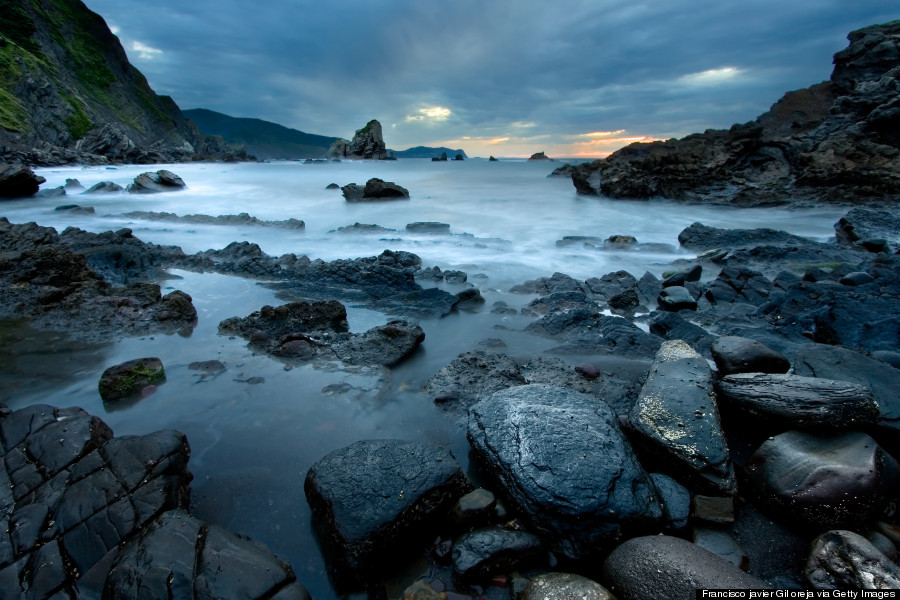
{"points": [[256, 427]]}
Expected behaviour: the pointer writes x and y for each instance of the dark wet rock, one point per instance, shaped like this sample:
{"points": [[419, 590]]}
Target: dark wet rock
{"points": [[18, 181], [675, 298], [428, 227], [714, 509], [239, 219], [208, 368], [677, 420], [587, 331], [367, 144], [556, 303], [684, 276], [129, 378], [856, 278], [588, 371], [793, 401], [845, 560], [701, 237], [479, 554], [51, 192], [582, 241], [625, 300], [76, 209], [69, 489], [64, 293], [564, 586], [883, 543], [179, 556], [831, 362], [421, 303], [673, 326], [525, 439], [73, 184], [563, 171], [377, 499], [478, 508], [104, 187], [475, 375], [735, 354], [375, 189], [675, 500], [332, 186], [557, 283], [619, 242], [161, 181], [302, 331], [469, 297], [363, 228], [872, 229], [823, 482], [611, 284], [456, 277], [888, 356], [492, 159], [539, 156], [668, 568], [738, 286]]}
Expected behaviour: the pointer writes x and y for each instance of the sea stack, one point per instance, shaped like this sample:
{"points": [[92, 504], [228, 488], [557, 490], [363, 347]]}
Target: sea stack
{"points": [[367, 143]]}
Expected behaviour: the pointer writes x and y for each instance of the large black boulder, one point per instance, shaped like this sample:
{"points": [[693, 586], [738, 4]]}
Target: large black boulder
{"points": [[676, 420], [376, 500], [178, 556], [735, 354], [838, 481], [18, 181], [551, 450], [662, 567]]}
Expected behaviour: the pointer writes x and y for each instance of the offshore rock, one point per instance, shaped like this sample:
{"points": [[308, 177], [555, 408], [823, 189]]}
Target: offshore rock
{"points": [[161, 181], [130, 378], [823, 482], [375, 189], [178, 556], [845, 560], [302, 331], [799, 402], [662, 567], [527, 440], [376, 499], [18, 181], [479, 554], [104, 187], [834, 141], [677, 420], [367, 143]]}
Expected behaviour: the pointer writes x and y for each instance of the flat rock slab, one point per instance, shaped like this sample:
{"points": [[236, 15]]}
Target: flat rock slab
{"points": [[832, 362], [668, 568], [479, 554], [845, 560], [68, 488], [676, 419], [562, 460], [376, 499], [178, 556], [799, 402], [823, 482]]}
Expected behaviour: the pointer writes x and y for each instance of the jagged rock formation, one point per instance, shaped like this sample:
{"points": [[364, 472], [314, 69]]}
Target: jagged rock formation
{"points": [[835, 141], [367, 143], [69, 94]]}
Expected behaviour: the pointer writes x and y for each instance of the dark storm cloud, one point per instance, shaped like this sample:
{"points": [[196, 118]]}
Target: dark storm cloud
{"points": [[524, 69]]}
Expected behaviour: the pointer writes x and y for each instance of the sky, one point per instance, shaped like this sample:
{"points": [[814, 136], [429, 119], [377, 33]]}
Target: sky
{"points": [[571, 78]]}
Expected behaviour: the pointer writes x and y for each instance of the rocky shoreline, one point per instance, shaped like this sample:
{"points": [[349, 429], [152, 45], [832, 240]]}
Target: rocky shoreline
{"points": [[805, 342]]}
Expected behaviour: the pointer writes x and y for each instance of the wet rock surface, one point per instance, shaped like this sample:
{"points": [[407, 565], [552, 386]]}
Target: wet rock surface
{"points": [[734, 354], [375, 189], [130, 378], [845, 560], [825, 482], [479, 554], [303, 331], [794, 401], [377, 499], [525, 439], [677, 420], [665, 567], [557, 586], [18, 181], [160, 181]]}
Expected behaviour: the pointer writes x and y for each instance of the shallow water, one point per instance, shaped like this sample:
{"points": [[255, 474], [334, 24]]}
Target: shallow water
{"points": [[253, 443]]}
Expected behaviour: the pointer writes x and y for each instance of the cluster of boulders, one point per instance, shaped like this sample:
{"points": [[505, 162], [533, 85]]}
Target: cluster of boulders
{"points": [[835, 141], [19, 181]]}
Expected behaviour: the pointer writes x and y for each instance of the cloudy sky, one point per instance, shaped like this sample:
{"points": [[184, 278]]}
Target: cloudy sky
{"points": [[501, 77]]}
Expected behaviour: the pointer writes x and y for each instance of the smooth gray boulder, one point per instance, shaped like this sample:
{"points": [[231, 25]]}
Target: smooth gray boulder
{"points": [[563, 462], [796, 402], [376, 500], [677, 421], [845, 560], [564, 586], [675, 298], [821, 482], [662, 567]]}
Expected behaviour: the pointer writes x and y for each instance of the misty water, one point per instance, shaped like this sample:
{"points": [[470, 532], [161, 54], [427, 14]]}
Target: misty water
{"points": [[252, 443]]}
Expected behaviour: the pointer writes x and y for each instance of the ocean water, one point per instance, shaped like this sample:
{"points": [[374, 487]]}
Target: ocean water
{"points": [[252, 443]]}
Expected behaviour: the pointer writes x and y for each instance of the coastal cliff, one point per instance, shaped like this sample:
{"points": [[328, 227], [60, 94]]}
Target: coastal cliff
{"points": [[836, 141], [68, 94]]}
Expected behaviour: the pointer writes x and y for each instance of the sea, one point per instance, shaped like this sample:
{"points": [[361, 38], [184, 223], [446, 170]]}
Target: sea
{"points": [[256, 428]]}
